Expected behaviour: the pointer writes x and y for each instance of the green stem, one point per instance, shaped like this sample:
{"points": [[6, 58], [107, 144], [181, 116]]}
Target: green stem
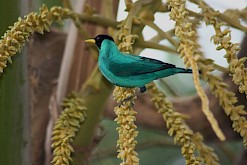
{"points": [[14, 111], [232, 22], [152, 45], [221, 68], [131, 15], [162, 33], [98, 20], [67, 4], [95, 101], [145, 144]]}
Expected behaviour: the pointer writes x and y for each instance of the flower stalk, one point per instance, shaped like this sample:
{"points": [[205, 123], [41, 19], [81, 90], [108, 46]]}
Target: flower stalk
{"points": [[188, 50], [176, 126], [65, 129], [14, 38], [226, 98]]}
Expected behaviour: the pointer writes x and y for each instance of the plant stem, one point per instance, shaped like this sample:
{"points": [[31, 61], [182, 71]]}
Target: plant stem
{"points": [[152, 45], [14, 112], [96, 19], [231, 22], [162, 33]]}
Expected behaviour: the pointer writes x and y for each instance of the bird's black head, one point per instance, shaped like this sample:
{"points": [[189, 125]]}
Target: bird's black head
{"points": [[99, 39]]}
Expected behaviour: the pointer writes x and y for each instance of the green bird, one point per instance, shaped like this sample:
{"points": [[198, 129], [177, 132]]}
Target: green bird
{"points": [[127, 70]]}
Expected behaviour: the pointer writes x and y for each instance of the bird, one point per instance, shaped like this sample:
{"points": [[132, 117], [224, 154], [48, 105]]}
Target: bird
{"points": [[128, 70]]}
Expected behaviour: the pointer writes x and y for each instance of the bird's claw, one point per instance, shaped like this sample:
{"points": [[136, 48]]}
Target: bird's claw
{"points": [[127, 99]]}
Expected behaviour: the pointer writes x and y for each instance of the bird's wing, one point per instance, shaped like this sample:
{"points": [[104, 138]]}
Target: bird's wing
{"points": [[130, 65]]}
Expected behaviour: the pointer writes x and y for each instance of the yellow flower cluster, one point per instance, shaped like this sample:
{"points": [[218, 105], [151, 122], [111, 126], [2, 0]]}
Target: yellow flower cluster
{"points": [[226, 98], [206, 152], [127, 40], [127, 128], [222, 39], [15, 38], [190, 142], [189, 51], [175, 125], [65, 129]]}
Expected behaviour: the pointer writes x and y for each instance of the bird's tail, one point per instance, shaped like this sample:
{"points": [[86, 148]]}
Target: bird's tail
{"points": [[182, 70]]}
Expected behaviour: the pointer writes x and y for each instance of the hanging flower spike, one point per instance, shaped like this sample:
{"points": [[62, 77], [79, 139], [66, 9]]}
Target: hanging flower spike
{"points": [[65, 129], [14, 38], [175, 125], [228, 99], [127, 128], [188, 50]]}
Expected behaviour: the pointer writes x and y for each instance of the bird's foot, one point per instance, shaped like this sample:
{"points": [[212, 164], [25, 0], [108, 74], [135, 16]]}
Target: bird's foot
{"points": [[127, 99], [142, 90]]}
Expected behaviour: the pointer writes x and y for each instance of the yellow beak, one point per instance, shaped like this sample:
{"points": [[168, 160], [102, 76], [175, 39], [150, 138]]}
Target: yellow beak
{"points": [[90, 40]]}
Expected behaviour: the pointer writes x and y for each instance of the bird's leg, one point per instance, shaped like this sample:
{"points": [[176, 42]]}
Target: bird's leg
{"points": [[142, 90]]}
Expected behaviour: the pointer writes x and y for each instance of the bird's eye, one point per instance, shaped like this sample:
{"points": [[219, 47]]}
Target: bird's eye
{"points": [[97, 38]]}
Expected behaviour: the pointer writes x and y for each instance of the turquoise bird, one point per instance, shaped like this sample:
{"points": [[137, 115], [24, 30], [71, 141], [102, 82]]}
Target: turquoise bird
{"points": [[127, 70]]}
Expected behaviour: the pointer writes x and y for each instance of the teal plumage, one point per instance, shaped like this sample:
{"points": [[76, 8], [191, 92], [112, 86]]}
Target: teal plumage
{"points": [[128, 70]]}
